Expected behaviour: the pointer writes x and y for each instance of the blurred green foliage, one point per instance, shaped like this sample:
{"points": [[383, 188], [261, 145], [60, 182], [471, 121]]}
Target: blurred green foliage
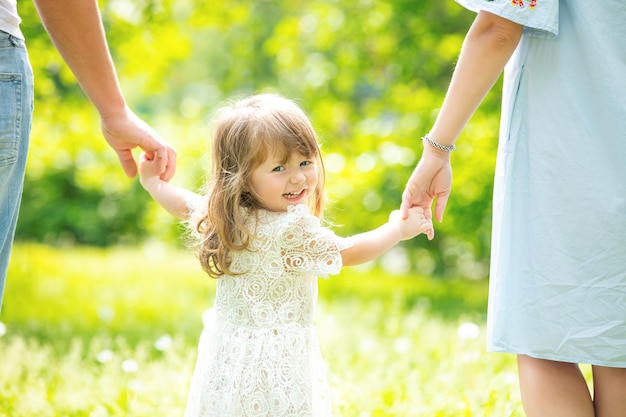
{"points": [[370, 73]]}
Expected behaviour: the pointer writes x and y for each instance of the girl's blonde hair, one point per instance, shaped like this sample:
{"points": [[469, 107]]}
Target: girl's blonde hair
{"points": [[246, 133]]}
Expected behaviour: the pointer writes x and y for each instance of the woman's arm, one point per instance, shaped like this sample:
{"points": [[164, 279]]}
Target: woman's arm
{"points": [[487, 47]]}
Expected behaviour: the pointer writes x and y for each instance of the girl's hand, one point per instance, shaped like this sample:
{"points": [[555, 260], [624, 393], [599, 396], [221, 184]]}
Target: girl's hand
{"points": [[171, 197], [414, 224], [149, 170]]}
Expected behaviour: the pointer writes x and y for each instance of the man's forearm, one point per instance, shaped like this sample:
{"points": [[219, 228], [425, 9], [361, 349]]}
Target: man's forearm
{"points": [[75, 27]]}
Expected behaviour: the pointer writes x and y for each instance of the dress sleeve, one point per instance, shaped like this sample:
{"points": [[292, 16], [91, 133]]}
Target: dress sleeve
{"points": [[197, 206], [539, 17], [308, 247], [195, 202]]}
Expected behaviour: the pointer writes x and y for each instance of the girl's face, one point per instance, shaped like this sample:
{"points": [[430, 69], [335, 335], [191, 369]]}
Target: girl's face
{"points": [[279, 184]]}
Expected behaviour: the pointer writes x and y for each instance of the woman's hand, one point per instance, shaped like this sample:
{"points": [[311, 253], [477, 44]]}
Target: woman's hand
{"points": [[431, 181]]}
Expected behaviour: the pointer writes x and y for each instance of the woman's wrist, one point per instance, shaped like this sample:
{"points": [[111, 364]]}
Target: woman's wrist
{"points": [[427, 139], [437, 153]]}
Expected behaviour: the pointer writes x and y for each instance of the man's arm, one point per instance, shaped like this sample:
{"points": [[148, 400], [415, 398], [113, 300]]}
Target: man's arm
{"points": [[76, 29]]}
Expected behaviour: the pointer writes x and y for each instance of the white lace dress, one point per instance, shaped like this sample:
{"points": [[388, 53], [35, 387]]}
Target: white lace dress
{"points": [[259, 354]]}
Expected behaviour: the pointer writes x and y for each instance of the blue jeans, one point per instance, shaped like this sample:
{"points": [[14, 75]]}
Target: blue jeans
{"points": [[16, 109]]}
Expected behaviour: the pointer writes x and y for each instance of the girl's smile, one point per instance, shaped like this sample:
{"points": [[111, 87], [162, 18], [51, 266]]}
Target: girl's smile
{"points": [[294, 196], [278, 184]]}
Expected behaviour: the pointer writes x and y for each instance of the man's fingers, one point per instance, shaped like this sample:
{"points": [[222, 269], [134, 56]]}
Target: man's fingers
{"points": [[129, 165]]}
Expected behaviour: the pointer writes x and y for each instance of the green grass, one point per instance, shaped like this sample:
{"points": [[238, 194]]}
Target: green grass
{"points": [[113, 332]]}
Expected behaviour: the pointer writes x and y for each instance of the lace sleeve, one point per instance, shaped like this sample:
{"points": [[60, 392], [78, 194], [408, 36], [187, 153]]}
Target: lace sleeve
{"points": [[196, 205], [308, 247]]}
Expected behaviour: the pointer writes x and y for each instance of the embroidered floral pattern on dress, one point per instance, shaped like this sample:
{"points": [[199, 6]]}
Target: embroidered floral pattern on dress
{"points": [[520, 3], [259, 354]]}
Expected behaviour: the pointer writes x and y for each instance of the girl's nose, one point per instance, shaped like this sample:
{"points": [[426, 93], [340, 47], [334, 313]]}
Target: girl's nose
{"points": [[297, 178]]}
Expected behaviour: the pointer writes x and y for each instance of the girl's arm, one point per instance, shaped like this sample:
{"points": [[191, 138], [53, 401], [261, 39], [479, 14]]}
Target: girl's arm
{"points": [[369, 245], [172, 198]]}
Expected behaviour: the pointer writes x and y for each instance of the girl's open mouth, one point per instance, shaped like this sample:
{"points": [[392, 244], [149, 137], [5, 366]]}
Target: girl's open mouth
{"points": [[293, 196]]}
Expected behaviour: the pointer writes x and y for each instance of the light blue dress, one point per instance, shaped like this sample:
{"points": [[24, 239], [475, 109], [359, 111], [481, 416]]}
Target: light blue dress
{"points": [[558, 267]]}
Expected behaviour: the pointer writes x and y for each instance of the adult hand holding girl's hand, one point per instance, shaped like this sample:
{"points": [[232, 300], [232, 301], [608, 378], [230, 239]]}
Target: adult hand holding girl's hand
{"points": [[414, 224], [430, 181], [126, 131]]}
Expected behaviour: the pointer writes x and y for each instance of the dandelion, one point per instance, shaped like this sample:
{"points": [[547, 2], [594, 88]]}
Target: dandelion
{"points": [[367, 344], [137, 386], [106, 314], [468, 330], [99, 411], [163, 343], [130, 366], [104, 356], [396, 261], [402, 345]]}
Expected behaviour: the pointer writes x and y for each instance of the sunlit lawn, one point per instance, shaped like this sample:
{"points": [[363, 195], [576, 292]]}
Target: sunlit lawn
{"points": [[90, 332]]}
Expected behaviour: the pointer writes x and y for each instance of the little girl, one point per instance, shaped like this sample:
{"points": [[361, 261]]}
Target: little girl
{"points": [[259, 232]]}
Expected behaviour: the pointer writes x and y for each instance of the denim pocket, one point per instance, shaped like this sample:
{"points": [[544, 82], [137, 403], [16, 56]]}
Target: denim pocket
{"points": [[10, 117]]}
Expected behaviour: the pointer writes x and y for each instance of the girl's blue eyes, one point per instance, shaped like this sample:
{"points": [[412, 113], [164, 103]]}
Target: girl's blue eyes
{"points": [[282, 168]]}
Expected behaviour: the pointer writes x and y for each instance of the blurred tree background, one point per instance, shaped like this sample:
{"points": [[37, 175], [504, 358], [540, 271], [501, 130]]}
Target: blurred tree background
{"points": [[371, 74]]}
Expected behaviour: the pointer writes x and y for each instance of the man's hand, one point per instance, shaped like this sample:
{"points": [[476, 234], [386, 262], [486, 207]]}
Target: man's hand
{"points": [[128, 131]]}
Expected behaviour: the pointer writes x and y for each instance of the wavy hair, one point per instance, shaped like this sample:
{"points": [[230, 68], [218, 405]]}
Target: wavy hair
{"points": [[246, 133]]}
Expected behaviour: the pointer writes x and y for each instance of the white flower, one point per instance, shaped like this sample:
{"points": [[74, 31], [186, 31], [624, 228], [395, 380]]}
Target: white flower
{"points": [[402, 345], [163, 343], [467, 331], [367, 344], [130, 366], [106, 314], [3, 329], [104, 356]]}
